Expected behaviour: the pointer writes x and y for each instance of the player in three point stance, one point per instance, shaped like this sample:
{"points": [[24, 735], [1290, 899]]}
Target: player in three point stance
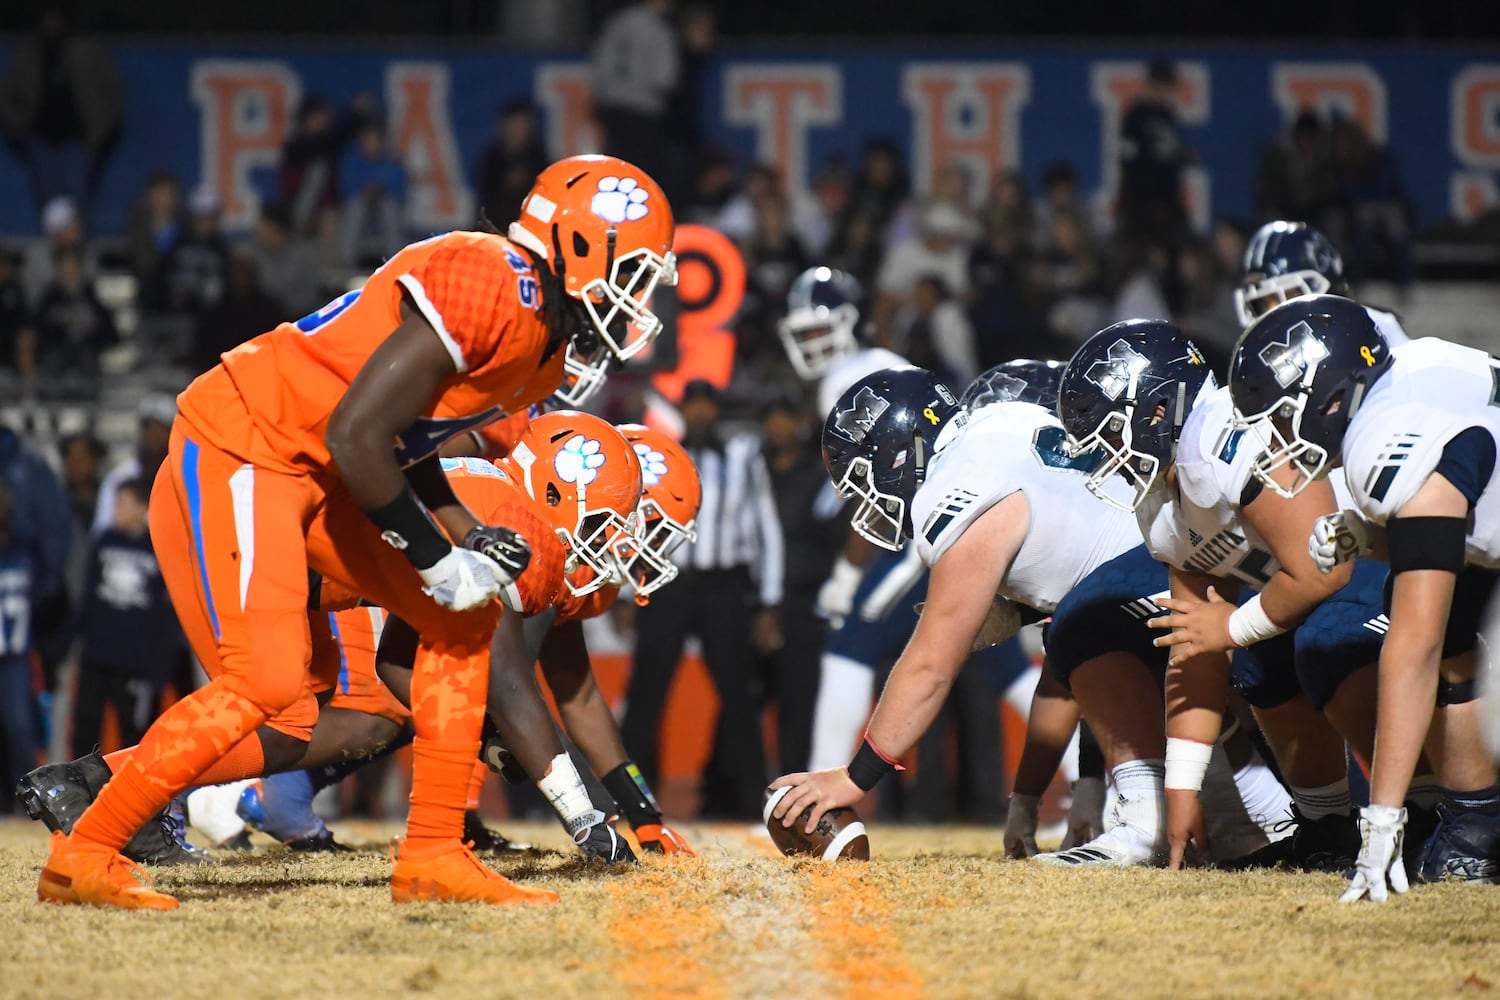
{"points": [[1415, 429], [281, 461], [1140, 393], [998, 507], [1289, 260]]}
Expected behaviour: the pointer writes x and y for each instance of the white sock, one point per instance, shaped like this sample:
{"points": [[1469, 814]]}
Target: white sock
{"points": [[1331, 799], [845, 690], [1141, 786], [1424, 791], [564, 790], [1263, 796]]}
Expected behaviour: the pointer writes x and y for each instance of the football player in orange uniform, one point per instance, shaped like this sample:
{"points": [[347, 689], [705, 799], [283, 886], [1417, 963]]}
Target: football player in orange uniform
{"points": [[281, 461]]}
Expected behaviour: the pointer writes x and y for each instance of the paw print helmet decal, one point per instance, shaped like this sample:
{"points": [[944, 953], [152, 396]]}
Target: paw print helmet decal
{"points": [[587, 479], [605, 228], [668, 513]]}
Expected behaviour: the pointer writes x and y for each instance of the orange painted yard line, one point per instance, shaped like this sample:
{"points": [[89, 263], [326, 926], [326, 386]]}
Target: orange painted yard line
{"points": [[859, 946], [667, 933]]}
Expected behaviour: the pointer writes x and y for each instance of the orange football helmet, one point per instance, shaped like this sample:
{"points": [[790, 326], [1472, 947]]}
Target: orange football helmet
{"points": [[605, 228], [588, 479], [668, 513]]}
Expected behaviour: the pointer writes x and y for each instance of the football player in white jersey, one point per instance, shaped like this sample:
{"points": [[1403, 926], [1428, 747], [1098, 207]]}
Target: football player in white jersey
{"points": [[1287, 260], [1306, 642], [997, 505], [1415, 430]]}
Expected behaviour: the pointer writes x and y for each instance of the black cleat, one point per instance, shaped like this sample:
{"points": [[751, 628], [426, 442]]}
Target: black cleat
{"points": [[1420, 824], [163, 841], [1465, 847], [1327, 844], [487, 841], [57, 794], [321, 842]]}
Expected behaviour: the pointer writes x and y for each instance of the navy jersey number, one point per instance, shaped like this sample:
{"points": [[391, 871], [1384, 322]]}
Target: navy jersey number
{"points": [[1051, 447], [427, 434]]}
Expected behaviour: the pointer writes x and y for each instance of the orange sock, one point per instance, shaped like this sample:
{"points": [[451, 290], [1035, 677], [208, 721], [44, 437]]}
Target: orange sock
{"points": [[178, 747], [246, 759], [120, 758], [448, 688], [476, 784]]}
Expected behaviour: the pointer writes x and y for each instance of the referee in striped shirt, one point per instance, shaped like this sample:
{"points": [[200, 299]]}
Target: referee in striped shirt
{"points": [[727, 595]]}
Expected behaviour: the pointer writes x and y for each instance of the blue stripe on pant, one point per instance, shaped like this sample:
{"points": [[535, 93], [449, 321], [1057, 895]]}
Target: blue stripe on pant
{"points": [[194, 492]]}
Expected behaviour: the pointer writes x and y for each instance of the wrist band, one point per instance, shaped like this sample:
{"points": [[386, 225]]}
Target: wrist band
{"points": [[405, 526], [870, 765], [1249, 624], [631, 793], [1187, 763]]}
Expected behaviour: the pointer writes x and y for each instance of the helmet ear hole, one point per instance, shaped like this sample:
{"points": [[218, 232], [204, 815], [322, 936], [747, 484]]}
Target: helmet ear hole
{"points": [[580, 245], [553, 496]]}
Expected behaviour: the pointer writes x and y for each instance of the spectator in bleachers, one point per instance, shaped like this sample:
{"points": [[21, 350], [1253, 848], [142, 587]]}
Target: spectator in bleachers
{"points": [[933, 332], [127, 630], [82, 457], [1143, 293], [156, 222], [1151, 161], [814, 530], [15, 318], [940, 249], [289, 266], [1004, 327], [697, 33], [1375, 213], [155, 412], [1061, 194], [816, 213], [62, 229], [1295, 179], [190, 276], [244, 312], [307, 180], [1066, 280], [72, 329], [738, 218], [372, 190], [950, 186], [61, 105], [773, 254], [511, 161], [636, 70], [880, 188], [1008, 205], [1206, 313], [713, 186], [39, 524], [18, 578]]}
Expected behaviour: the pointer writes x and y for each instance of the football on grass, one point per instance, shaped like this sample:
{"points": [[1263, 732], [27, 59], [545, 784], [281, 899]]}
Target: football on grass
{"points": [[839, 834]]}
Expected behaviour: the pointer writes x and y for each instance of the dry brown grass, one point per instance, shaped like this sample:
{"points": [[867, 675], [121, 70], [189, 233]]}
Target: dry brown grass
{"points": [[935, 914]]}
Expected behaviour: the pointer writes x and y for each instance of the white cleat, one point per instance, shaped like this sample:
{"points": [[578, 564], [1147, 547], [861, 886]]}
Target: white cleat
{"points": [[1120, 847], [211, 811]]}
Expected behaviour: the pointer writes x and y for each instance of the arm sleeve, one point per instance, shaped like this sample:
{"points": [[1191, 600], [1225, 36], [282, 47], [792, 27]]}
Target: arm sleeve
{"points": [[768, 527], [1468, 462], [463, 291]]}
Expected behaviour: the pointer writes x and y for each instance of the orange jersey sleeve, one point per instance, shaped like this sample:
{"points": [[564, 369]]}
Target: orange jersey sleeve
{"points": [[477, 292], [494, 498]]}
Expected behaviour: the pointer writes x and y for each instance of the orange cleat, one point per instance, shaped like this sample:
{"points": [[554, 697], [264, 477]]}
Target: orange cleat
{"points": [[662, 839], [450, 873], [78, 872]]}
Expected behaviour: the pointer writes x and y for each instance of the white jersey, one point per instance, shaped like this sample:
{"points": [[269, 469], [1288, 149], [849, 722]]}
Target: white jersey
{"points": [[1433, 391], [849, 370], [1010, 447], [1389, 326], [1200, 528]]}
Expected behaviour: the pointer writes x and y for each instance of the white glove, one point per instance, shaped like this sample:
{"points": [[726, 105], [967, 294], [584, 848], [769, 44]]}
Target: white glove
{"points": [[463, 579], [1338, 538], [1381, 830], [836, 596], [1020, 826]]}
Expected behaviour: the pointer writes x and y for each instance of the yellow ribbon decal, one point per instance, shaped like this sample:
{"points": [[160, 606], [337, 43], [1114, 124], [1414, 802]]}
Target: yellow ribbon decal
{"points": [[1369, 357], [933, 417]]}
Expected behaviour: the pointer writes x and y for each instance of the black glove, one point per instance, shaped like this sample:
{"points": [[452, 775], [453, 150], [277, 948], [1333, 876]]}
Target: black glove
{"points": [[508, 548]]}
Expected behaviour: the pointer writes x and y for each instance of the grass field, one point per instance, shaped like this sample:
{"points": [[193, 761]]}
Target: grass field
{"points": [[935, 914]]}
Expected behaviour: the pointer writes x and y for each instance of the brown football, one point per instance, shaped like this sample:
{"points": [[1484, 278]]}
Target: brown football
{"points": [[839, 834]]}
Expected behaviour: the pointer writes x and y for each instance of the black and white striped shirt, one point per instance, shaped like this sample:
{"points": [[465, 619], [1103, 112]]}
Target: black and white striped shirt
{"points": [[737, 522]]}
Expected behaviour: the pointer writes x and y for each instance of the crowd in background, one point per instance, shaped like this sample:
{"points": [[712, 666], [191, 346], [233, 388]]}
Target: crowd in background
{"points": [[974, 271]]}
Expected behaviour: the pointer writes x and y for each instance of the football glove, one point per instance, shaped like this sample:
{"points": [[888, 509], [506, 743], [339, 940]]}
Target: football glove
{"points": [[658, 838], [1337, 538], [1020, 826], [509, 549], [463, 580], [597, 839], [1381, 831], [836, 596]]}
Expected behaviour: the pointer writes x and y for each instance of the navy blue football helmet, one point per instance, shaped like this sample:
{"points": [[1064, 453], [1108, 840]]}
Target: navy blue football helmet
{"points": [[1126, 394], [822, 320], [1303, 369], [876, 445], [1285, 260], [1023, 380]]}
